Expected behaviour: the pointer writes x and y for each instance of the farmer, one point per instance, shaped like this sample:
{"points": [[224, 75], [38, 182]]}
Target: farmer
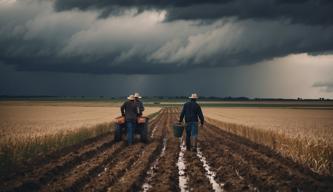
{"points": [[192, 111], [140, 107], [129, 110]]}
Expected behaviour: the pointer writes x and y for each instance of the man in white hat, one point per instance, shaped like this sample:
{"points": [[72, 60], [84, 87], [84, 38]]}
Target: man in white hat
{"points": [[140, 106], [129, 110], [192, 112]]}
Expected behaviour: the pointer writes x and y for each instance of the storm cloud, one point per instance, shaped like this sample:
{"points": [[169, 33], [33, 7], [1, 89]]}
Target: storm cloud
{"points": [[297, 11], [158, 37]]}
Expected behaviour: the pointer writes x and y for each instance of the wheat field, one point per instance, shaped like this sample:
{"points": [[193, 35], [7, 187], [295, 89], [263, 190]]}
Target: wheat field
{"points": [[304, 135], [315, 124], [25, 121], [30, 129]]}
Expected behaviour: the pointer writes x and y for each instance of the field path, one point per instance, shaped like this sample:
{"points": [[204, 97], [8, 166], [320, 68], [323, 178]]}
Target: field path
{"points": [[223, 162]]}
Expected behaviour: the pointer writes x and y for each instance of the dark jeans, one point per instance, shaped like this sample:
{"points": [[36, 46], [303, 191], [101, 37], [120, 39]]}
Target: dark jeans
{"points": [[191, 130], [131, 126]]}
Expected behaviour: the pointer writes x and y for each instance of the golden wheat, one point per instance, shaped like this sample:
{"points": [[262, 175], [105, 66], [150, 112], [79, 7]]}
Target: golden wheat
{"points": [[313, 124], [29, 129], [290, 132], [27, 121]]}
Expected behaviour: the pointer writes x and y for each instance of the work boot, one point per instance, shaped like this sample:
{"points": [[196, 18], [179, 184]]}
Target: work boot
{"points": [[194, 149]]}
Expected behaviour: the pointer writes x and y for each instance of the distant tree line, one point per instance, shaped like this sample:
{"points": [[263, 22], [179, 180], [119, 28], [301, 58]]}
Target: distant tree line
{"points": [[102, 97]]}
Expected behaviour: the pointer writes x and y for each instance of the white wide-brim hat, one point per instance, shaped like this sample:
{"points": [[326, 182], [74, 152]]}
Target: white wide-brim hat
{"points": [[131, 97], [137, 95], [194, 96]]}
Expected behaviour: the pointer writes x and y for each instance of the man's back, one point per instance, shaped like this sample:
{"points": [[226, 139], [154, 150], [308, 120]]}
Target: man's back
{"points": [[129, 110], [191, 111]]}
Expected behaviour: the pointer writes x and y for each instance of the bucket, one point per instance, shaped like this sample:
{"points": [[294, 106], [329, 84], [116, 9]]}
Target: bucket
{"points": [[178, 129]]}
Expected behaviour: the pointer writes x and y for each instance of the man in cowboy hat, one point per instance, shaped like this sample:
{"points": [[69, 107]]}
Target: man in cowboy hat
{"points": [[129, 110], [192, 112], [140, 106]]}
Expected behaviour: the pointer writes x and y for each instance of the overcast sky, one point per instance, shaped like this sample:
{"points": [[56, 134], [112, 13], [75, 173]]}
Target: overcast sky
{"points": [[253, 48]]}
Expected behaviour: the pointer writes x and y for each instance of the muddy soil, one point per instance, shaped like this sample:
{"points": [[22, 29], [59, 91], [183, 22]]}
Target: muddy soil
{"points": [[197, 181], [165, 173], [222, 162], [243, 165]]}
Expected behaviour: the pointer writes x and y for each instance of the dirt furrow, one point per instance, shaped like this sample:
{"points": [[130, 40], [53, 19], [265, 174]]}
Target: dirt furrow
{"points": [[72, 180], [209, 172], [154, 121], [289, 172], [269, 155], [115, 169], [196, 173], [248, 173], [165, 176], [153, 167], [76, 178], [223, 164], [134, 177], [43, 174], [259, 169], [121, 164]]}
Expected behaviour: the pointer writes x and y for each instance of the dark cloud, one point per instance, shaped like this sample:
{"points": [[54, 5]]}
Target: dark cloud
{"points": [[288, 77], [87, 4], [318, 12], [34, 37]]}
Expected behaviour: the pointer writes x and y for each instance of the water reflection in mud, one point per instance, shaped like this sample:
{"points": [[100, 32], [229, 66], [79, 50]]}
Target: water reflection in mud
{"points": [[151, 172], [209, 173], [181, 169]]}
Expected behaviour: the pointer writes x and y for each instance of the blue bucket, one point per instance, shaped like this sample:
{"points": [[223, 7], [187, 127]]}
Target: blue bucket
{"points": [[178, 129]]}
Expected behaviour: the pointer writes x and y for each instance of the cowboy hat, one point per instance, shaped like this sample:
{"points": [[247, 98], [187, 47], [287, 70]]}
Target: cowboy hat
{"points": [[137, 95], [194, 96], [131, 97]]}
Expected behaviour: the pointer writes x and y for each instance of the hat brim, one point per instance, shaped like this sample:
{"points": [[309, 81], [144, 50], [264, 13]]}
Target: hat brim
{"points": [[138, 97], [130, 98], [193, 97]]}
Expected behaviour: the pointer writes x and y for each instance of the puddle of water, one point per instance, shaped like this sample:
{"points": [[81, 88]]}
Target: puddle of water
{"points": [[181, 169], [209, 173], [151, 172], [153, 132]]}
